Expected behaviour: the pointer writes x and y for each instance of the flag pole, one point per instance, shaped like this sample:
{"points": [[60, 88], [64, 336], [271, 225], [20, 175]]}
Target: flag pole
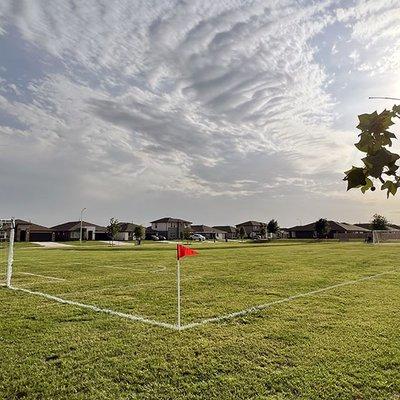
{"points": [[178, 287]]}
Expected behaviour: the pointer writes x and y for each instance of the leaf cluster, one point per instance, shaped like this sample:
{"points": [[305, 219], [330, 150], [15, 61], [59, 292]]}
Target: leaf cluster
{"points": [[379, 162]]}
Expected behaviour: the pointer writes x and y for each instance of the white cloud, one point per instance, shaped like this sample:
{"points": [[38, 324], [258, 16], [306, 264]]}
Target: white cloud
{"points": [[206, 98]]}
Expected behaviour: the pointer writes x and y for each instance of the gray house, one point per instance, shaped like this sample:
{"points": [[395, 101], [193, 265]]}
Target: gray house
{"points": [[231, 231], [171, 228], [251, 228], [208, 232], [71, 231]]}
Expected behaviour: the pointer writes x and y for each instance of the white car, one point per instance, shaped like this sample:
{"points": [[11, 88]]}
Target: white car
{"points": [[197, 236]]}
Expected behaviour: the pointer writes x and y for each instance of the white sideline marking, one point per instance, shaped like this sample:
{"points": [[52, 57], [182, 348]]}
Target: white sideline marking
{"points": [[207, 320], [97, 309], [43, 276], [162, 268], [260, 307]]}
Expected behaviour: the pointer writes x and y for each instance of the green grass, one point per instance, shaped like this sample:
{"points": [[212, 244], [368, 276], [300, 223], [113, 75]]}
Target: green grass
{"points": [[339, 344]]}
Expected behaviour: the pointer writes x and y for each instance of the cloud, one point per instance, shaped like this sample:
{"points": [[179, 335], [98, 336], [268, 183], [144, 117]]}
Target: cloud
{"points": [[204, 98]]}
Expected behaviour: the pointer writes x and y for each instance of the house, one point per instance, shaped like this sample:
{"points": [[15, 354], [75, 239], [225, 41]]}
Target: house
{"points": [[208, 232], [29, 232], [231, 231], [251, 228], [71, 231], [171, 228], [26, 231], [126, 231], [336, 230]]}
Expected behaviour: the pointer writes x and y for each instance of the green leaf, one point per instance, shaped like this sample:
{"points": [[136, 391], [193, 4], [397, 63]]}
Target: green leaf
{"points": [[390, 186], [396, 109], [375, 163], [355, 177], [375, 123], [366, 143], [367, 186]]}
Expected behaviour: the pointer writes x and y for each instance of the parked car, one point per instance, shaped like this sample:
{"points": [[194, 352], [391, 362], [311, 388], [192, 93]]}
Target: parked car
{"points": [[162, 238], [154, 237], [197, 236]]}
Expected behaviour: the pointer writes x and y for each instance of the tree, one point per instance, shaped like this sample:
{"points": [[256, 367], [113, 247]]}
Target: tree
{"points": [[263, 230], [379, 222], [322, 228], [186, 234], [379, 162], [273, 227], [139, 233], [242, 233], [113, 229]]}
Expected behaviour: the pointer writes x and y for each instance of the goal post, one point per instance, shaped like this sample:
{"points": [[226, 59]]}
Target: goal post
{"points": [[385, 236], [7, 235]]}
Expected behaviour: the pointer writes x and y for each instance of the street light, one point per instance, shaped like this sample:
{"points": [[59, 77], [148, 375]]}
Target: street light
{"points": [[80, 233], [382, 98]]}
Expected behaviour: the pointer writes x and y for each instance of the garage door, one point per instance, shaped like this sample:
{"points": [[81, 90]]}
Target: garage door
{"points": [[40, 236]]}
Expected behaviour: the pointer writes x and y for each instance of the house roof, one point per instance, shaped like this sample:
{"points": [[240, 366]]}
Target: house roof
{"points": [[32, 227], [335, 226], [226, 228], [251, 223], [74, 225], [170, 219], [205, 229], [368, 226], [127, 226]]}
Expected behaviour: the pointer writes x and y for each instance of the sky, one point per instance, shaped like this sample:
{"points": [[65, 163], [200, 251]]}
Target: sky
{"points": [[212, 111]]}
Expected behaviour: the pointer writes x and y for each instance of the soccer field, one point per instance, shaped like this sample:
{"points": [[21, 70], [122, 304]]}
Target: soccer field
{"points": [[288, 320]]}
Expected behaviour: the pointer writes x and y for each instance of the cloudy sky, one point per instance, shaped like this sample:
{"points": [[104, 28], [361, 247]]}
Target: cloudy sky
{"points": [[213, 111]]}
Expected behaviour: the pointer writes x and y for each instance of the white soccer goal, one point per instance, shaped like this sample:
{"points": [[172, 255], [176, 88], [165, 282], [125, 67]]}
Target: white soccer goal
{"points": [[7, 233], [386, 236]]}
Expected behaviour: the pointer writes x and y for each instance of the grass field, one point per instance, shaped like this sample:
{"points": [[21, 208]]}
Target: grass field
{"points": [[338, 343]]}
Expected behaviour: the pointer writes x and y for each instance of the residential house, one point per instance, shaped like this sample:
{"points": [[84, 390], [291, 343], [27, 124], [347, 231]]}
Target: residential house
{"points": [[26, 231], [231, 231], [71, 231], [208, 232], [170, 228], [126, 231], [336, 230], [251, 228]]}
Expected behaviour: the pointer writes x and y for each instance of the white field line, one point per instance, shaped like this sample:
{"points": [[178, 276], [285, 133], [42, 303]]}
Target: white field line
{"points": [[42, 276], [98, 309], [161, 268], [260, 307]]}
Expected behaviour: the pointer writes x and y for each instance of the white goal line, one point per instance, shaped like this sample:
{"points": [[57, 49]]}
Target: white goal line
{"points": [[250, 310]]}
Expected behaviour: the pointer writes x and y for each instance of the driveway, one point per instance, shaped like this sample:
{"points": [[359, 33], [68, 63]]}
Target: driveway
{"points": [[116, 243], [51, 245]]}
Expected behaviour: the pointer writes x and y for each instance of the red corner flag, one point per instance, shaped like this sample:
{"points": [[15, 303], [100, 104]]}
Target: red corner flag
{"points": [[183, 251]]}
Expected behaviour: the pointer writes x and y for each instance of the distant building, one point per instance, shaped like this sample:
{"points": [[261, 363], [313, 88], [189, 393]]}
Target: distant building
{"points": [[336, 228], [251, 228], [126, 231], [208, 232], [71, 231], [231, 231], [26, 231], [170, 228]]}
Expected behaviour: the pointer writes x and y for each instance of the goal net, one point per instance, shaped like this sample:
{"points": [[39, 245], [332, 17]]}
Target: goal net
{"points": [[7, 230], [386, 236]]}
